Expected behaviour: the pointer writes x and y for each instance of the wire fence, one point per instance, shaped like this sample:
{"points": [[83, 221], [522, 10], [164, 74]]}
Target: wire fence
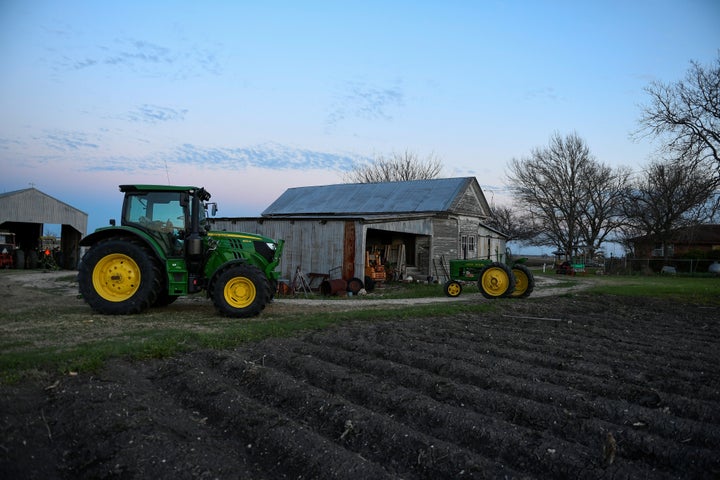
{"points": [[656, 265]]}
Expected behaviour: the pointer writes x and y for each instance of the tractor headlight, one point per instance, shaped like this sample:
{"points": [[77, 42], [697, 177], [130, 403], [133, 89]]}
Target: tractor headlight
{"points": [[272, 246]]}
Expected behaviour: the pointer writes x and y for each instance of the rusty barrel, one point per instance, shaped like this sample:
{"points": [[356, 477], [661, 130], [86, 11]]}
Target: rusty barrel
{"points": [[333, 287]]}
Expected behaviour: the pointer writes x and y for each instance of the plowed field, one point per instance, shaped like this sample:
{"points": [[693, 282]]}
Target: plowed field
{"points": [[577, 386]]}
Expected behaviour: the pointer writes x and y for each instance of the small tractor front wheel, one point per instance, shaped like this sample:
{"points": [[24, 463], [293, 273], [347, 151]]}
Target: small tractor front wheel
{"points": [[119, 276], [240, 291], [453, 288], [496, 280], [524, 281]]}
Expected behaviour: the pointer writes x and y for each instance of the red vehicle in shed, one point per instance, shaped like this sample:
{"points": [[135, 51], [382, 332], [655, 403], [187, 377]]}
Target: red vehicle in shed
{"points": [[7, 249]]}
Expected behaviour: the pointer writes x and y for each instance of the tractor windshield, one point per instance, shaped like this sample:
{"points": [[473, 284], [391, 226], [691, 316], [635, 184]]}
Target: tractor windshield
{"points": [[162, 211]]}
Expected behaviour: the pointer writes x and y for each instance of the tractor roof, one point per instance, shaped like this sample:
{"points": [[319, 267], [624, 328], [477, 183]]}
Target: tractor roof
{"points": [[157, 188]]}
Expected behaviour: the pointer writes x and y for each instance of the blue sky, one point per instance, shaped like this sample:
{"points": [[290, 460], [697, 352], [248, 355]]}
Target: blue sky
{"points": [[251, 98]]}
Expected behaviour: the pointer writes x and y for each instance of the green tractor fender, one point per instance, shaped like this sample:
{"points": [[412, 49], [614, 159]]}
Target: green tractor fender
{"points": [[109, 232]]}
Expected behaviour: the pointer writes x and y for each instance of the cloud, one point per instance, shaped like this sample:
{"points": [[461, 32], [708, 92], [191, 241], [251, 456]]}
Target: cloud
{"points": [[140, 56], [541, 93], [268, 155], [155, 114], [67, 140], [365, 102]]}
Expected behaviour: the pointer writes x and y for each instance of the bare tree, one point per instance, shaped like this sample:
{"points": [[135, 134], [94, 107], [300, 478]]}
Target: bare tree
{"points": [[396, 168], [571, 200], [601, 213], [686, 115], [670, 195], [513, 223]]}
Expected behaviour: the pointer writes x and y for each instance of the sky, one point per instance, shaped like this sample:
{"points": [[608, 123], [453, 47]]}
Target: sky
{"points": [[251, 98]]}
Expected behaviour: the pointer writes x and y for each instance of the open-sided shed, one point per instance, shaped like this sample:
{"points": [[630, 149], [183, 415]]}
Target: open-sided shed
{"points": [[26, 212], [409, 228]]}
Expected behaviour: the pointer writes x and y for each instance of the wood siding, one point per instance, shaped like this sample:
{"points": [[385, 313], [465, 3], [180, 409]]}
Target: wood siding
{"points": [[315, 246]]}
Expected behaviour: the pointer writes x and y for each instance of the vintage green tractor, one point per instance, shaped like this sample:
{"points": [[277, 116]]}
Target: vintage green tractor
{"points": [[163, 249], [494, 279]]}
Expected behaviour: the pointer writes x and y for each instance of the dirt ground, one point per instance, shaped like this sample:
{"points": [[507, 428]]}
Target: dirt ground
{"points": [[554, 386]]}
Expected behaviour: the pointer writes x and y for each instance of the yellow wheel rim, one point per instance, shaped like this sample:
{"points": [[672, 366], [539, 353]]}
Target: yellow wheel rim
{"points": [[116, 277], [495, 281], [239, 292], [521, 283], [453, 289]]}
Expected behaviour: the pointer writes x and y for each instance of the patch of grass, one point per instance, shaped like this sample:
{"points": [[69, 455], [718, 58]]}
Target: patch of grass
{"points": [[154, 335], [66, 336], [691, 289]]}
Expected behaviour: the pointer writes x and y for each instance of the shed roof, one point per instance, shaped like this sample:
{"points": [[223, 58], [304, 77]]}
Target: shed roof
{"points": [[415, 196], [30, 205]]}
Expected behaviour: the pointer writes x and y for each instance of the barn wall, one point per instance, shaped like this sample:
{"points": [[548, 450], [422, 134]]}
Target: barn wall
{"points": [[446, 243], [317, 246], [313, 245]]}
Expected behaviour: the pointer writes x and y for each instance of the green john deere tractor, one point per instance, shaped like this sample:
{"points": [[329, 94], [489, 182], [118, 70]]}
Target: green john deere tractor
{"points": [[163, 249], [494, 279]]}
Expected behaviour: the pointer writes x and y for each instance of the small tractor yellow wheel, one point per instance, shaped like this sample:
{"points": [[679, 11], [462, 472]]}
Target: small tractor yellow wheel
{"points": [[240, 290], [524, 281], [496, 280], [116, 277], [453, 288]]}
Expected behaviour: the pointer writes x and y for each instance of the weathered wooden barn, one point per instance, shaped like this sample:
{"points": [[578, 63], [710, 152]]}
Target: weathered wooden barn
{"points": [[26, 212], [405, 228]]}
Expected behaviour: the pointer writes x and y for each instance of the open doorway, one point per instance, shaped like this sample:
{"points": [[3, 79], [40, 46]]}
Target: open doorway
{"points": [[400, 253]]}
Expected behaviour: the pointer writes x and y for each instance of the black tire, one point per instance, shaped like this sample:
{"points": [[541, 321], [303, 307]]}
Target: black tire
{"points": [[119, 276], [240, 291], [524, 281], [354, 285], [19, 259], [32, 260], [452, 288], [164, 298], [369, 284], [496, 280]]}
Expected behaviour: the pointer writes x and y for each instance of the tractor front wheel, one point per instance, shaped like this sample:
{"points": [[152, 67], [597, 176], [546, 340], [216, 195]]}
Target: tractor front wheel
{"points": [[119, 276], [496, 280], [524, 281], [240, 291], [453, 288]]}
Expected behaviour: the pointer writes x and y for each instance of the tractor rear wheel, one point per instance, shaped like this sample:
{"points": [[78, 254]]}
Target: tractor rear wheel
{"points": [[119, 276], [524, 281], [240, 291], [453, 288], [496, 280]]}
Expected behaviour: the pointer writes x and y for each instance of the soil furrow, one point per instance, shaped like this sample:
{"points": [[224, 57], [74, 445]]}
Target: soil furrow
{"points": [[375, 437], [266, 436], [489, 436], [524, 364], [657, 429], [625, 415]]}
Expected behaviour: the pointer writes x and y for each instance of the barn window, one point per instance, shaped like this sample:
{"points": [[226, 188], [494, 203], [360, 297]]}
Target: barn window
{"points": [[467, 246]]}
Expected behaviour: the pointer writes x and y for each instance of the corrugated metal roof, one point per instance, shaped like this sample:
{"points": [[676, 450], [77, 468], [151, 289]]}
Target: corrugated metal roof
{"points": [[436, 195]]}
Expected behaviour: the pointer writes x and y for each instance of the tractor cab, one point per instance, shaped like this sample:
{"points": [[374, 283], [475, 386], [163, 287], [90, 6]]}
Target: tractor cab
{"points": [[168, 214], [163, 215]]}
